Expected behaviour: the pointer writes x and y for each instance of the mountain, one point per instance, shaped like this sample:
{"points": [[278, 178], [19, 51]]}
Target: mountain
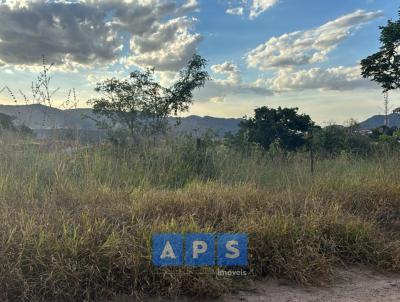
{"points": [[201, 124], [378, 120], [42, 118]]}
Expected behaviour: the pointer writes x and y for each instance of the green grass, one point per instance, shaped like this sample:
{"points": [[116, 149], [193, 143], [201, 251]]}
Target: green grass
{"points": [[78, 226]]}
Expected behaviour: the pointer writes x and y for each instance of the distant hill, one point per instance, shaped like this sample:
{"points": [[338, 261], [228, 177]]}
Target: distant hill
{"points": [[45, 119], [42, 119], [378, 120]]}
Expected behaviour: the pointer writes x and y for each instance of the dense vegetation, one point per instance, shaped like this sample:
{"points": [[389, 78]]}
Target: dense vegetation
{"points": [[78, 225]]}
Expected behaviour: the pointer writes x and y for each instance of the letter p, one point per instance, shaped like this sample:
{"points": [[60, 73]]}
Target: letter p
{"points": [[199, 247], [200, 250]]}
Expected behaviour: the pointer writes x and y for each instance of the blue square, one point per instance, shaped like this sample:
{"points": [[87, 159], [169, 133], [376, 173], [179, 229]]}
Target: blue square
{"points": [[167, 250], [200, 250], [232, 250]]}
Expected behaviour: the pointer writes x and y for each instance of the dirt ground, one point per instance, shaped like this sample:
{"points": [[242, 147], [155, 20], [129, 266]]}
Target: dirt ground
{"points": [[351, 285]]}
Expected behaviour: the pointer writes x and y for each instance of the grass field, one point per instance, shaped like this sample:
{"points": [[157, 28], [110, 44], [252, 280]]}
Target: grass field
{"points": [[77, 226]]}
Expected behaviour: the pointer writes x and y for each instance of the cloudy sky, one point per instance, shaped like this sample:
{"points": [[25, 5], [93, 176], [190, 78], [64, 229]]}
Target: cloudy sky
{"points": [[302, 53]]}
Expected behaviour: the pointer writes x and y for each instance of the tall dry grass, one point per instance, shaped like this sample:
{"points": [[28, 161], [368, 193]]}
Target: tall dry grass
{"points": [[78, 226]]}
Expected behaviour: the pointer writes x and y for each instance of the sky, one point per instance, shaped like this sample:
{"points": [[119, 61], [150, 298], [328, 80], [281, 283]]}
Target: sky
{"points": [[289, 53]]}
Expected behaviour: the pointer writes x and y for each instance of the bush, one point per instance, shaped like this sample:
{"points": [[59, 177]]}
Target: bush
{"points": [[334, 139]]}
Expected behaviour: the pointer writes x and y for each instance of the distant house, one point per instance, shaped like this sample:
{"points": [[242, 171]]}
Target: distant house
{"points": [[364, 131]]}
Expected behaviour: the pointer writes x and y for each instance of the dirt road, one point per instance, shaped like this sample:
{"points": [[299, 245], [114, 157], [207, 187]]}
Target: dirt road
{"points": [[353, 285]]}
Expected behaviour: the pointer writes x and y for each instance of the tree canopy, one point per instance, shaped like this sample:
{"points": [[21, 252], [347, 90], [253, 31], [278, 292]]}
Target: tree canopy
{"points": [[383, 67], [7, 125], [141, 105], [6, 122], [282, 126]]}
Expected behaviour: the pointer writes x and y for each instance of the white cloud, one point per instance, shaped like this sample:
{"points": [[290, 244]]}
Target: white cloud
{"points": [[217, 99], [190, 5], [99, 75], [64, 32], [169, 47], [253, 8], [166, 78], [260, 6], [87, 32], [235, 11], [230, 70], [16, 4], [306, 47], [8, 71], [336, 78], [286, 80], [218, 89]]}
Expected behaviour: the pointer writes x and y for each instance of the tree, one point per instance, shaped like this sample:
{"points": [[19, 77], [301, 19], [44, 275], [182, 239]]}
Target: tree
{"points": [[282, 126], [6, 122], [334, 139], [140, 105], [383, 67], [7, 125], [25, 131]]}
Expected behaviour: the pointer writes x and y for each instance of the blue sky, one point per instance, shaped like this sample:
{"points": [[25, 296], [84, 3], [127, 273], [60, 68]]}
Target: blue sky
{"points": [[302, 53]]}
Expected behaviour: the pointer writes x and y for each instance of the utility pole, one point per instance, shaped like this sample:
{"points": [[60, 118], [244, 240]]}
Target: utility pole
{"points": [[386, 107]]}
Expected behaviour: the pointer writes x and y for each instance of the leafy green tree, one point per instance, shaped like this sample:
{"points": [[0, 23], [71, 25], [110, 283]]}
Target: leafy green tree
{"points": [[383, 130], [383, 67], [6, 122], [330, 140], [283, 127], [238, 141], [334, 139], [140, 105], [396, 134]]}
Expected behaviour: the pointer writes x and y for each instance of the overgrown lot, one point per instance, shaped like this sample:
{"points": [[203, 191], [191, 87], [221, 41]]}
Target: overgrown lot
{"points": [[77, 226]]}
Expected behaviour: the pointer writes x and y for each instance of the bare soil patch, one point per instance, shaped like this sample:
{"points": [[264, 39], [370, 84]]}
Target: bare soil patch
{"points": [[351, 285]]}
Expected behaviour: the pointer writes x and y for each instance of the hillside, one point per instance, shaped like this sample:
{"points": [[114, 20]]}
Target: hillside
{"points": [[43, 119], [40, 117], [378, 120]]}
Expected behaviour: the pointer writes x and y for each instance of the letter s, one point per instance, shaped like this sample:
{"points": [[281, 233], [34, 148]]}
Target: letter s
{"points": [[235, 253]]}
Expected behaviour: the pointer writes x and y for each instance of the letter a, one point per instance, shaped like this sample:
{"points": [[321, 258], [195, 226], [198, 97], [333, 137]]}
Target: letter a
{"points": [[168, 252]]}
